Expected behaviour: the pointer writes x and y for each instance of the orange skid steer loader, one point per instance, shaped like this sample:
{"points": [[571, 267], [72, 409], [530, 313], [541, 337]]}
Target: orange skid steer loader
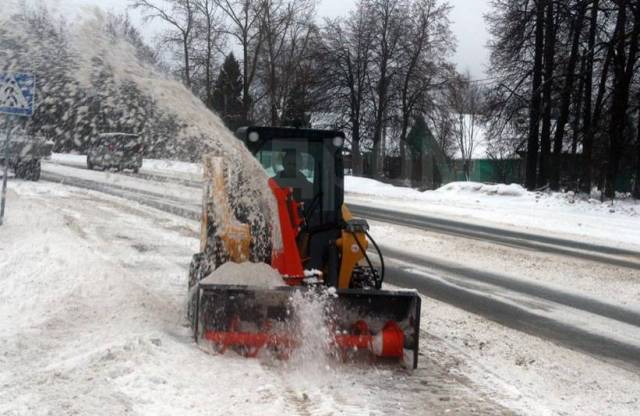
{"points": [[323, 250]]}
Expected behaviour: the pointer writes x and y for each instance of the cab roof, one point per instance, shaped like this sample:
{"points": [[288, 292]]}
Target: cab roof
{"points": [[266, 133]]}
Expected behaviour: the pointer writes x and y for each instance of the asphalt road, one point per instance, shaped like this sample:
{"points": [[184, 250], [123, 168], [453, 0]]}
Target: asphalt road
{"points": [[561, 317], [535, 242]]}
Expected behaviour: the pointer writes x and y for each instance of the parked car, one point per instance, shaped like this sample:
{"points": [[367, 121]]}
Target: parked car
{"points": [[118, 151], [25, 154]]}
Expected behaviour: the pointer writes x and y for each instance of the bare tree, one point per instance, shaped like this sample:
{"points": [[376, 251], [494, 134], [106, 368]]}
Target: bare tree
{"points": [[346, 56], [425, 45], [547, 89], [636, 188], [625, 41], [587, 144], [387, 24], [594, 66], [244, 26], [180, 16], [287, 27], [534, 108], [208, 41], [577, 23], [466, 103]]}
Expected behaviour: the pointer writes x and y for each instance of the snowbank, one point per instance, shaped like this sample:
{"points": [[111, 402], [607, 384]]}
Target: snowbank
{"points": [[510, 206], [366, 186], [476, 187]]}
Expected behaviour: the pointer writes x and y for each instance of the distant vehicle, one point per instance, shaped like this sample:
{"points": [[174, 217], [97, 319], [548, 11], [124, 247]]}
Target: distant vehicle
{"points": [[118, 151], [25, 154]]}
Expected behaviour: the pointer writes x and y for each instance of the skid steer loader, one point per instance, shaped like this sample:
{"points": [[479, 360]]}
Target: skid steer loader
{"points": [[322, 249]]}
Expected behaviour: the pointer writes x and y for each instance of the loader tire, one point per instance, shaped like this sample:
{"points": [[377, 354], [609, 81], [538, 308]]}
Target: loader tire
{"points": [[198, 270], [18, 170], [35, 171], [29, 170]]}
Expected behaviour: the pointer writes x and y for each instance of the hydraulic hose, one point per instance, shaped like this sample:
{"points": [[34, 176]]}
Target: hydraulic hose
{"points": [[379, 285], [366, 256]]}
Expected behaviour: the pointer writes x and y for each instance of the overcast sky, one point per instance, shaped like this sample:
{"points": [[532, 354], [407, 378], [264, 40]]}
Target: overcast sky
{"points": [[466, 17]]}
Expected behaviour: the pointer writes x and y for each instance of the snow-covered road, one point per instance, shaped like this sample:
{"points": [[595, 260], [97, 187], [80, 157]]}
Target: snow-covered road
{"points": [[93, 322], [603, 257], [465, 359], [162, 178]]}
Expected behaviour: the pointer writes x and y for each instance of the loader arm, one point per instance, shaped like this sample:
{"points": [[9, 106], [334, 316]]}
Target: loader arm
{"points": [[352, 245]]}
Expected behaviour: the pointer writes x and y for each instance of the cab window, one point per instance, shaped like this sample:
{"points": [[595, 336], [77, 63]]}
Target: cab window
{"points": [[273, 162]]}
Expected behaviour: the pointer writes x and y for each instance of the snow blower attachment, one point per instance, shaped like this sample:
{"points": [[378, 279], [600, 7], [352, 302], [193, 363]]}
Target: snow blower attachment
{"points": [[321, 256]]}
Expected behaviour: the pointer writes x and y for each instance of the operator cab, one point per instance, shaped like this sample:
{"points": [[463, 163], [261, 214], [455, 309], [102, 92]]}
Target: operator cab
{"points": [[307, 161], [310, 163]]}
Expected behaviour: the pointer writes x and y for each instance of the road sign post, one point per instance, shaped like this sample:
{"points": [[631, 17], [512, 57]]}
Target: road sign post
{"points": [[17, 91], [3, 198]]}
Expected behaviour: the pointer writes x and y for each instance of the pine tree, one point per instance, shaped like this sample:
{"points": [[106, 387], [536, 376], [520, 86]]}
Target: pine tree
{"points": [[423, 146], [418, 137], [227, 94], [296, 108]]}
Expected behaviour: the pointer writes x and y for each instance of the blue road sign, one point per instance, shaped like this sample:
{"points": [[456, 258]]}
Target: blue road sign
{"points": [[17, 92]]}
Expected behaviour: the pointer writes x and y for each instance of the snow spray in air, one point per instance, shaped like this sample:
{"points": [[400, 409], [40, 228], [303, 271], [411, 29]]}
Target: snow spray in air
{"points": [[312, 313], [93, 78]]}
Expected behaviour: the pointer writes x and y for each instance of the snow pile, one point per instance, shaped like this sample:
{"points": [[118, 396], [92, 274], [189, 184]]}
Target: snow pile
{"points": [[563, 214], [249, 274], [476, 187], [366, 186], [312, 362]]}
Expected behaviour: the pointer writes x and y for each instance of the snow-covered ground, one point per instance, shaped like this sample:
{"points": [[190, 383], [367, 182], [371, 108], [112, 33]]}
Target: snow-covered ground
{"points": [[176, 168], [512, 207], [92, 322], [532, 376], [559, 214]]}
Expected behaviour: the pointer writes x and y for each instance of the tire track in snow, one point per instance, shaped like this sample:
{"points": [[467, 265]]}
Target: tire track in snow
{"points": [[446, 392], [540, 243], [466, 292], [164, 203], [576, 329]]}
